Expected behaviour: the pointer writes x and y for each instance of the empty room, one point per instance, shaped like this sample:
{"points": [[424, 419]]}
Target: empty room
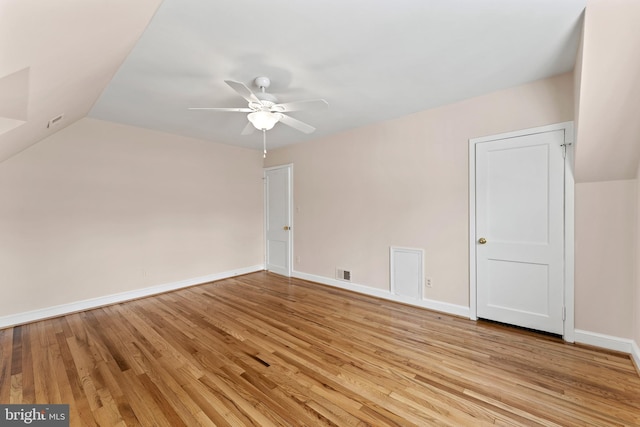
{"points": [[294, 213]]}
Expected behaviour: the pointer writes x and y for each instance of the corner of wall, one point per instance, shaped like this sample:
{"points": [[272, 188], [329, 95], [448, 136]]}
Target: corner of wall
{"points": [[635, 355], [636, 305]]}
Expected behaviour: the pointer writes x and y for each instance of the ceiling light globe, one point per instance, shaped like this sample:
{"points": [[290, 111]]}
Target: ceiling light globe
{"points": [[264, 120]]}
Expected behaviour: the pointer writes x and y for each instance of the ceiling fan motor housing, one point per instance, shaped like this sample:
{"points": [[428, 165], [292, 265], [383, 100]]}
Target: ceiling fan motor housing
{"points": [[266, 97]]}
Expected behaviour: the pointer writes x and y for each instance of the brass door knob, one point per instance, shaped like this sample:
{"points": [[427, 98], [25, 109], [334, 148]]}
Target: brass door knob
{"points": [[482, 240], [286, 228]]}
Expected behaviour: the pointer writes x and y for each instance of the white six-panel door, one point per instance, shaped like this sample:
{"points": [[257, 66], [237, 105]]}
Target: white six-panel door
{"points": [[520, 230]]}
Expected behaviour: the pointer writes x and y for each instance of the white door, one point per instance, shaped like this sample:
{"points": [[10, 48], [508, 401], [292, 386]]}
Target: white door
{"points": [[278, 220], [520, 230]]}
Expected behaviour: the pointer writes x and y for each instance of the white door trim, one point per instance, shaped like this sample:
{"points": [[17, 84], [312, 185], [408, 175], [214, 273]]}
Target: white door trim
{"points": [[569, 327], [289, 168]]}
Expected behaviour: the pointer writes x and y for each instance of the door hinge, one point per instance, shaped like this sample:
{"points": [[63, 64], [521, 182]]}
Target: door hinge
{"points": [[564, 149], [564, 313]]}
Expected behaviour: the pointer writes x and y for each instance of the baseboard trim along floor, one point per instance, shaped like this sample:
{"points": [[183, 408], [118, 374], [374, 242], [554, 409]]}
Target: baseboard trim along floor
{"points": [[74, 307]]}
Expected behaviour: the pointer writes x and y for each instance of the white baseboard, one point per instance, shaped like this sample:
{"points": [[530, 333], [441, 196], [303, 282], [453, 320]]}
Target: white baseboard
{"points": [[74, 307], [635, 354], [608, 342], [443, 307]]}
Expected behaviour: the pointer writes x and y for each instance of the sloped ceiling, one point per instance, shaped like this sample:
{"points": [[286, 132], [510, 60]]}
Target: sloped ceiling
{"points": [[608, 145], [371, 61], [56, 58]]}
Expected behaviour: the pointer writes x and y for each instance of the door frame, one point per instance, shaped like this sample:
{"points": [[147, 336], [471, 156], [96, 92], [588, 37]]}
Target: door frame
{"points": [[569, 219], [289, 168]]}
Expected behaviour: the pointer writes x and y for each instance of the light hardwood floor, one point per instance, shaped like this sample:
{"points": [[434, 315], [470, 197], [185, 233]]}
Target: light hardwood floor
{"points": [[265, 350]]}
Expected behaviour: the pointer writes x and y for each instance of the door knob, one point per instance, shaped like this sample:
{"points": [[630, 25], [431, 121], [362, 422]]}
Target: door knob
{"points": [[482, 240], [286, 228]]}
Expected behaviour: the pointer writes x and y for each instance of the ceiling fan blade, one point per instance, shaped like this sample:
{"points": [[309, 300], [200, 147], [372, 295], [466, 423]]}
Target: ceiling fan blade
{"points": [[309, 104], [248, 129], [243, 91], [296, 124], [239, 110]]}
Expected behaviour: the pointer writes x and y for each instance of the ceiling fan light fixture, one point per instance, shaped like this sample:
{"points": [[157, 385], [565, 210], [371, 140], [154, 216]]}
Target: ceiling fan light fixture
{"points": [[264, 120]]}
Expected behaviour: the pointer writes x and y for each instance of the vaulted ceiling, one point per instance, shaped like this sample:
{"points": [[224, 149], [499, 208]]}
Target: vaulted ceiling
{"points": [[608, 84], [144, 63]]}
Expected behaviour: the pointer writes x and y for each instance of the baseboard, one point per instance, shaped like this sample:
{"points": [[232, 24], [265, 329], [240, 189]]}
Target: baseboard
{"points": [[443, 307], [74, 307], [608, 342]]}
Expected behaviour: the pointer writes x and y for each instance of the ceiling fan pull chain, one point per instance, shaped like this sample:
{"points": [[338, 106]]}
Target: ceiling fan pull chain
{"points": [[264, 144]]}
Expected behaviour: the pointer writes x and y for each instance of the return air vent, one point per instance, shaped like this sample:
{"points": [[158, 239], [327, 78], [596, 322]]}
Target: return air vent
{"points": [[407, 272], [343, 275]]}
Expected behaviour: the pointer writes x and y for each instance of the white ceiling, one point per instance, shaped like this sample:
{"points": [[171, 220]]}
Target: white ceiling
{"points": [[371, 60]]}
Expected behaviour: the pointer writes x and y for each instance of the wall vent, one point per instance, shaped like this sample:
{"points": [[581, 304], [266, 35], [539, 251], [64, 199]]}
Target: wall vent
{"points": [[343, 274], [55, 120]]}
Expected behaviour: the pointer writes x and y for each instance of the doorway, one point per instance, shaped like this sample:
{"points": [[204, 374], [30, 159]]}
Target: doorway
{"points": [[278, 219], [520, 253]]}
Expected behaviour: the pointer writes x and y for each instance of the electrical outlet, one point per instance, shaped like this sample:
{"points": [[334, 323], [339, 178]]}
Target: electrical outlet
{"points": [[428, 282]]}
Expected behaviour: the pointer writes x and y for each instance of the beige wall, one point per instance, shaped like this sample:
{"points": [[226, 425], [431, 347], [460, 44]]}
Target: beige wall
{"points": [[606, 165], [405, 183], [100, 208], [605, 257]]}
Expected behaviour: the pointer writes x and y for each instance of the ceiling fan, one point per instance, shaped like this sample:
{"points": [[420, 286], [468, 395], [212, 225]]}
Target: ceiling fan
{"points": [[265, 111]]}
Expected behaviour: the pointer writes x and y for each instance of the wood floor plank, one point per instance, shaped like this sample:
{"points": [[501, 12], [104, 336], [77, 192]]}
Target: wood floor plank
{"points": [[45, 389], [78, 403], [6, 355], [28, 380], [264, 350]]}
